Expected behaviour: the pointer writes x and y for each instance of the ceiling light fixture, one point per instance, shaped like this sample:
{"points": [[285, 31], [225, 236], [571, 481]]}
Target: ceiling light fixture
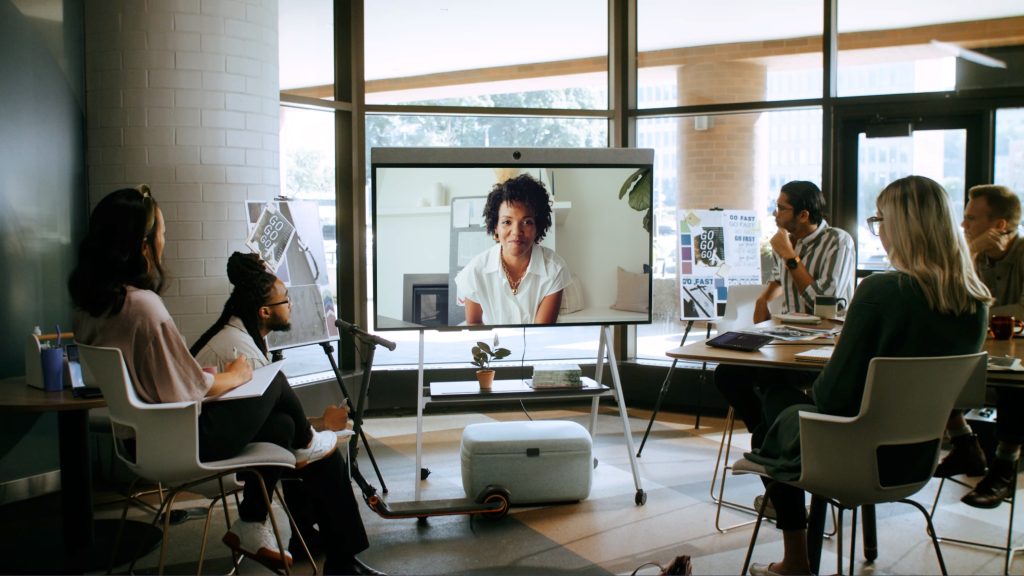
{"points": [[969, 55]]}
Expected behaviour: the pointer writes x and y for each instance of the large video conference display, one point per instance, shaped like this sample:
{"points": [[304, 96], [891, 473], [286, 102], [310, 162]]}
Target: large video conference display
{"points": [[436, 265]]}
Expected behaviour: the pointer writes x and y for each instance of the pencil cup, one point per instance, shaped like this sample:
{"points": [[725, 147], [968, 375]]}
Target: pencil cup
{"points": [[53, 368]]}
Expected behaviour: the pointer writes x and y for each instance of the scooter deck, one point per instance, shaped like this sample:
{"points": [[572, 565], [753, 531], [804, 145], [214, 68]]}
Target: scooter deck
{"points": [[434, 507]]}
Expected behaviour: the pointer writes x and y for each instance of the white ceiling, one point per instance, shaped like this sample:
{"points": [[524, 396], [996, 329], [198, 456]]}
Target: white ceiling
{"points": [[412, 37]]}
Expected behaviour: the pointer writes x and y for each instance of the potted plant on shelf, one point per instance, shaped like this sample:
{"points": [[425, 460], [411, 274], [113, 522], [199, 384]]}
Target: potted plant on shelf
{"points": [[482, 356]]}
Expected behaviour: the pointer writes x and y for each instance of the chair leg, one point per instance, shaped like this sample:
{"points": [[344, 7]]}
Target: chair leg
{"points": [[273, 523], [726, 433], [295, 528], [723, 462], [1007, 549], [839, 543], [931, 530], [853, 538], [757, 528]]}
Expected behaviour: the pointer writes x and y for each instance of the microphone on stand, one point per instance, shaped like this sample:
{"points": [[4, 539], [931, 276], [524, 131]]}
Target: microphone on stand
{"points": [[363, 334]]}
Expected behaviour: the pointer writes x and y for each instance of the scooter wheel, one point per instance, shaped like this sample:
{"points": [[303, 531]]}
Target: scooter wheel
{"points": [[496, 497]]}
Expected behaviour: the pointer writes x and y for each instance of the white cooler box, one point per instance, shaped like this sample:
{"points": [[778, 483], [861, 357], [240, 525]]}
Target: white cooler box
{"points": [[540, 461]]}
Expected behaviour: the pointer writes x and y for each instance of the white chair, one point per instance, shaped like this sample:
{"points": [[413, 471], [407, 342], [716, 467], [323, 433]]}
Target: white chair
{"points": [[160, 442], [739, 314], [886, 452]]}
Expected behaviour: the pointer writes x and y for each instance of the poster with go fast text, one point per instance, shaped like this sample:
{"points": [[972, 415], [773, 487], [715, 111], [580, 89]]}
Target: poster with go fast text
{"points": [[717, 249]]}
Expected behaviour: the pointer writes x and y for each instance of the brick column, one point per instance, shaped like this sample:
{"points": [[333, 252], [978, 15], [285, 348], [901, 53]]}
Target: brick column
{"points": [[719, 165], [183, 95]]}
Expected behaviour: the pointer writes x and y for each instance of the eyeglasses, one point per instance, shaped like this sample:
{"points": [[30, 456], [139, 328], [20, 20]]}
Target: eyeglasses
{"points": [[773, 208], [281, 303], [873, 224]]}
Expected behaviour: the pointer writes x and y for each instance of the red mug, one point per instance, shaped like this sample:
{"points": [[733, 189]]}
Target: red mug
{"points": [[1005, 327]]}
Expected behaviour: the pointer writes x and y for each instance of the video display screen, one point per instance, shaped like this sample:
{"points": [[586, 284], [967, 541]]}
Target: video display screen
{"points": [[438, 265]]}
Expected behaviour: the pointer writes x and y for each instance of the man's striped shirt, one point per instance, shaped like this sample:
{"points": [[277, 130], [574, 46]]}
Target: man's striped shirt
{"points": [[829, 256]]}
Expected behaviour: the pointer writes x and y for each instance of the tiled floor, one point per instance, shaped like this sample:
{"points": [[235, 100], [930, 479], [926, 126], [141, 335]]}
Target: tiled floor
{"points": [[607, 532]]}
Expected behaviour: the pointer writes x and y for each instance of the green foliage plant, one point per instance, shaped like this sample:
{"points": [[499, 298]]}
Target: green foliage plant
{"points": [[483, 355]]}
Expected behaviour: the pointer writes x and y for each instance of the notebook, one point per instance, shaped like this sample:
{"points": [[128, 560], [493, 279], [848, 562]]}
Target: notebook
{"points": [[816, 355], [740, 341]]}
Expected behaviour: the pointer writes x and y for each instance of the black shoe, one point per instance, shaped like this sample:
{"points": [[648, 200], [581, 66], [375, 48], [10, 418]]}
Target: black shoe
{"points": [[353, 566], [994, 488], [966, 457]]}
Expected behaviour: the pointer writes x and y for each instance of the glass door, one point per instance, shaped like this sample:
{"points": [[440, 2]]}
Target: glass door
{"points": [[877, 152]]}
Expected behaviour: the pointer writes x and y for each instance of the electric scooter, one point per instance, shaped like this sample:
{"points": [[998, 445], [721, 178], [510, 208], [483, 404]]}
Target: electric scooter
{"points": [[491, 502]]}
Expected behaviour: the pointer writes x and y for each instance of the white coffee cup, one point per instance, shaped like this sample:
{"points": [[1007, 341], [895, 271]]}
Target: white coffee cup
{"points": [[829, 306]]}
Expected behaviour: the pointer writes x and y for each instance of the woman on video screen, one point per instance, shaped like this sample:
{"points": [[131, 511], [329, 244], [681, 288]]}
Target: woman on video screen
{"points": [[517, 281]]}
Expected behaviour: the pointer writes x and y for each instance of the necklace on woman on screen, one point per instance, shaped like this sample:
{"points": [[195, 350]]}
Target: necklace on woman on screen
{"points": [[513, 284]]}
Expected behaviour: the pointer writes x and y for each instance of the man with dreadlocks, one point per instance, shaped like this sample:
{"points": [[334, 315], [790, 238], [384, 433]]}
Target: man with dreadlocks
{"points": [[258, 305]]}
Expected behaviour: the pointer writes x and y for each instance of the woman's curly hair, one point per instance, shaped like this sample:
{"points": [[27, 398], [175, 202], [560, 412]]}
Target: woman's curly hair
{"points": [[525, 189]]}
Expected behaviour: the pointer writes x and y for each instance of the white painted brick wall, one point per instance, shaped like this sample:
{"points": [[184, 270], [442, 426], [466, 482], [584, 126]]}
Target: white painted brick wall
{"points": [[183, 95]]}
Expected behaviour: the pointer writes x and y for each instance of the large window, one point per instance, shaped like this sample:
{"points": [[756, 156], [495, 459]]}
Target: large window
{"points": [[1009, 169], [701, 53], [902, 48], [732, 106], [480, 53], [736, 161]]}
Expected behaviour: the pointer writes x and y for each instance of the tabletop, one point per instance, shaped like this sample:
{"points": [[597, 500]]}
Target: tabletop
{"points": [[17, 396], [776, 354], [781, 355]]}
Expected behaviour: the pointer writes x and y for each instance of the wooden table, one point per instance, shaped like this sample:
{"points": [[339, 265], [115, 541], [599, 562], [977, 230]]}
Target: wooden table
{"points": [[87, 542], [781, 355]]}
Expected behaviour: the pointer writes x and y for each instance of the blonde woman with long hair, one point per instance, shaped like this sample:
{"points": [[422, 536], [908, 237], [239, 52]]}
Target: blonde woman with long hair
{"points": [[932, 304]]}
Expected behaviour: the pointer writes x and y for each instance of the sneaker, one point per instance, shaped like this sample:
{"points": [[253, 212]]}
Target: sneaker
{"points": [[321, 446], [769, 510], [994, 488], [966, 457], [256, 540]]}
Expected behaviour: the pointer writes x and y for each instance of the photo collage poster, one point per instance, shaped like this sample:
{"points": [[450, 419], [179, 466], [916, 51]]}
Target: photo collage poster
{"points": [[288, 236], [717, 249]]}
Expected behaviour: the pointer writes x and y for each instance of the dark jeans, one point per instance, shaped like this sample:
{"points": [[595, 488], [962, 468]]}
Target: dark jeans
{"points": [[226, 427], [758, 395], [321, 493]]}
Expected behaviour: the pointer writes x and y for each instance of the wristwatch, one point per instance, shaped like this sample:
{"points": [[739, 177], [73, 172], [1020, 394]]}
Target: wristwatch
{"points": [[793, 262]]}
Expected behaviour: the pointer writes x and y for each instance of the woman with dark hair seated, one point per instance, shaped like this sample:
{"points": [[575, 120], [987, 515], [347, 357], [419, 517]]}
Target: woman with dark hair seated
{"points": [[115, 291], [518, 281], [932, 304]]}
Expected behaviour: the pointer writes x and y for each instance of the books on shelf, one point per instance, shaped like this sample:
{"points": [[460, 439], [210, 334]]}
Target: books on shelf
{"points": [[556, 376]]}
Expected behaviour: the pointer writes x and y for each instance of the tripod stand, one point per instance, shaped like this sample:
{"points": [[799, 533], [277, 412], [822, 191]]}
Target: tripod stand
{"points": [[355, 411], [668, 382]]}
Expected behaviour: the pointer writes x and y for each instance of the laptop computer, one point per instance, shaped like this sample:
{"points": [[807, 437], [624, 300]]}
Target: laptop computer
{"points": [[740, 341], [78, 387]]}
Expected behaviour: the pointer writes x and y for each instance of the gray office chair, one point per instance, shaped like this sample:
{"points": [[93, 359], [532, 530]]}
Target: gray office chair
{"points": [[160, 442], [885, 453]]}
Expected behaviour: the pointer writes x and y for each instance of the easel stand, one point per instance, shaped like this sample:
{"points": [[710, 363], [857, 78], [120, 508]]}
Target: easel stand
{"points": [[356, 411], [668, 382]]}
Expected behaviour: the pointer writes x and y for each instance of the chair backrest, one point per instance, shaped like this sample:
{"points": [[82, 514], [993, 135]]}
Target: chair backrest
{"points": [[739, 308], [159, 442], [889, 450]]}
